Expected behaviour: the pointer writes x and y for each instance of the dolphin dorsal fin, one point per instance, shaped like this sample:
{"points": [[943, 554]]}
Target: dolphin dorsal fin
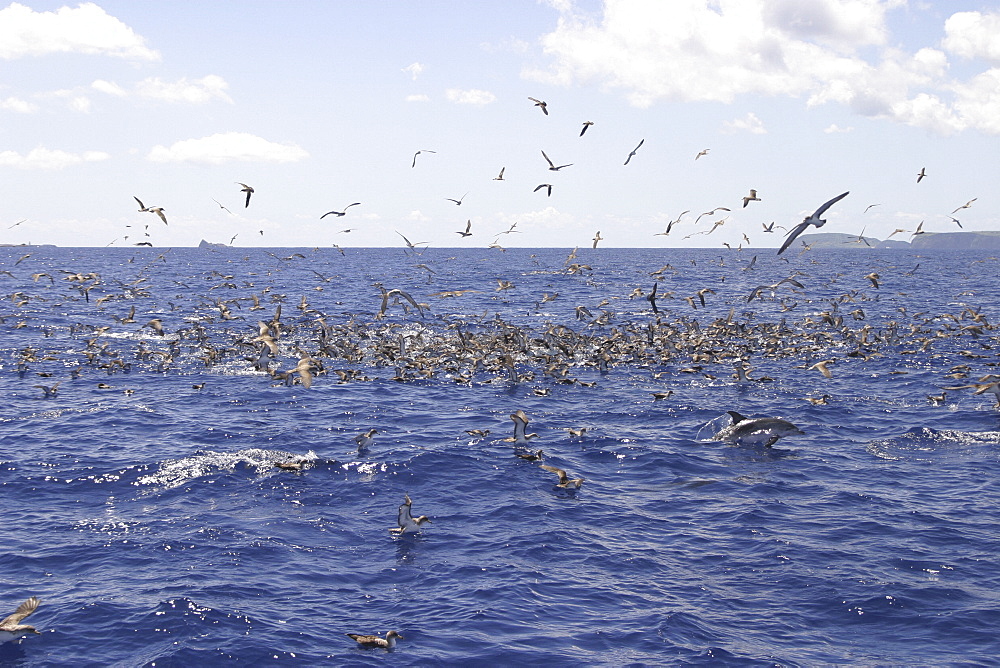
{"points": [[737, 417]]}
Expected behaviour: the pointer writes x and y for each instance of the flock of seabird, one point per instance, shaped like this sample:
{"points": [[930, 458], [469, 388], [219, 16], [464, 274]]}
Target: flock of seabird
{"points": [[814, 219], [465, 351]]}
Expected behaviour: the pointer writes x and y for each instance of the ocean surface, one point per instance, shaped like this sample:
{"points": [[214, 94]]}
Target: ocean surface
{"points": [[141, 503]]}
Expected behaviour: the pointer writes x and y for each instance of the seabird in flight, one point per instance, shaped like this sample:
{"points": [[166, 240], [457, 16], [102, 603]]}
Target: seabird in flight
{"points": [[542, 105], [814, 219], [248, 190], [641, 142], [339, 213], [552, 166]]}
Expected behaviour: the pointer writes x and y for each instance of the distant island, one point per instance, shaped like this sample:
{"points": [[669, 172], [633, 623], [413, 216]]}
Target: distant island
{"points": [[926, 241]]}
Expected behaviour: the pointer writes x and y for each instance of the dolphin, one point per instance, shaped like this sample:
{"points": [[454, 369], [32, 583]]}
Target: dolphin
{"points": [[754, 431]]}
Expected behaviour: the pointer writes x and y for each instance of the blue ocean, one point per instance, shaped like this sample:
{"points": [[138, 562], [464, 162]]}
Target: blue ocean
{"points": [[146, 409]]}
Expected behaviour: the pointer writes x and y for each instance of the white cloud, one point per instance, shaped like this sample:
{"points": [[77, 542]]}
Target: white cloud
{"points": [[836, 128], [834, 22], [44, 158], [18, 105], [417, 216], [80, 103], [823, 51], [86, 29], [749, 123], [196, 91], [549, 217], [978, 101], [973, 35], [108, 87], [471, 96], [414, 70], [225, 147], [417, 98]]}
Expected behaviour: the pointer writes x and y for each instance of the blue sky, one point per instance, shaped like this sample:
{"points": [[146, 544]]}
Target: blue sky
{"points": [[321, 104]]}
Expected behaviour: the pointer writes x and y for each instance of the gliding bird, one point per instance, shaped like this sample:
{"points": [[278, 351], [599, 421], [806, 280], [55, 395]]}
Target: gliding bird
{"points": [[541, 105], [814, 219], [339, 213], [641, 142], [552, 166], [248, 190]]}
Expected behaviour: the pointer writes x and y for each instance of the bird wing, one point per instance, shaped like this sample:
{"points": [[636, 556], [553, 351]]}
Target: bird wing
{"points": [[795, 232], [559, 472], [551, 164], [408, 298], [142, 207], [385, 302], [405, 518], [819, 212], [22, 611]]}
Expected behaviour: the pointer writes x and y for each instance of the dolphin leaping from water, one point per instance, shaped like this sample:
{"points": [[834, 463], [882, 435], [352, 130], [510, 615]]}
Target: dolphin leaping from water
{"points": [[754, 431]]}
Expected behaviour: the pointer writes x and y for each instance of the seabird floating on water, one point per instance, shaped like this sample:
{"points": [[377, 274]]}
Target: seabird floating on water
{"points": [[365, 439], [388, 642], [564, 480], [520, 424], [407, 522]]}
